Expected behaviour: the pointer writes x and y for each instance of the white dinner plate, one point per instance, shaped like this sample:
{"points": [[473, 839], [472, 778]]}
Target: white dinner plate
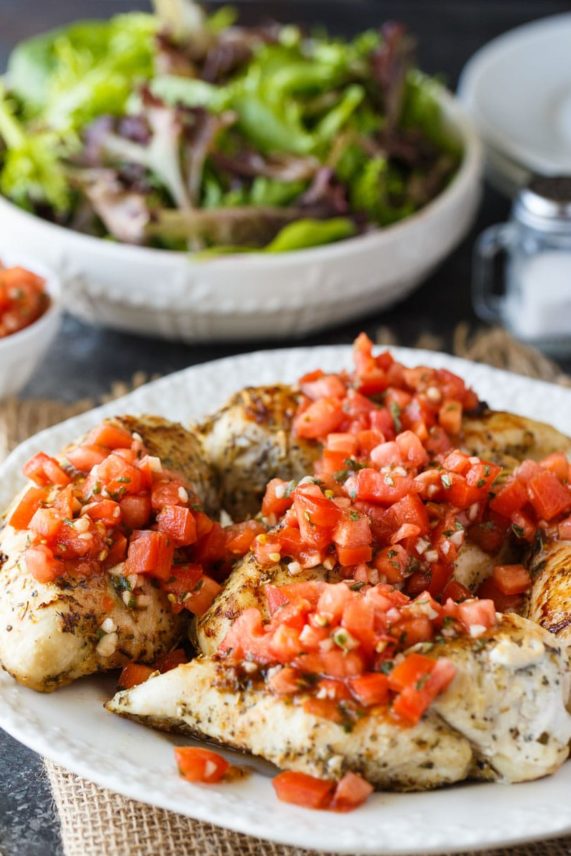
{"points": [[518, 90], [71, 727]]}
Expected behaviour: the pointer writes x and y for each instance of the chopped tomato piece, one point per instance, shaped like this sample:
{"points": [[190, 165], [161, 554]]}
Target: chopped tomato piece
{"points": [[372, 486], [511, 497], [455, 591], [370, 689], [42, 564], [171, 660], [201, 597], [354, 555], [284, 681], [181, 583], [211, 547], [44, 471], [450, 416], [351, 792], [502, 603], [323, 386], [477, 613], [490, 535], [240, 536], [277, 498], [547, 495], [392, 563], [27, 507], [319, 419], [196, 764], [246, 638], [46, 522], [512, 579], [85, 457], [303, 790], [117, 551], [119, 476], [558, 463], [411, 631], [111, 436], [417, 695], [106, 510], [324, 708], [409, 671], [412, 451], [178, 524], [135, 510], [150, 553], [134, 674], [167, 492], [334, 664]]}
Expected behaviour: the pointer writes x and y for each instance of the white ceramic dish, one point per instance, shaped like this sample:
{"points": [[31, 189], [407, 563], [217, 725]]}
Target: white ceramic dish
{"points": [[21, 352], [255, 296], [517, 88], [72, 728]]}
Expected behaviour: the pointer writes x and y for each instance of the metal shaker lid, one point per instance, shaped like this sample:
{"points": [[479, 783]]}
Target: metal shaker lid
{"points": [[545, 203]]}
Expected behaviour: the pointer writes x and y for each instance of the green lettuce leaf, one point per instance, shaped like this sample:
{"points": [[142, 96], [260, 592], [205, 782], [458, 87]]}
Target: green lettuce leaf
{"points": [[311, 233], [32, 171]]}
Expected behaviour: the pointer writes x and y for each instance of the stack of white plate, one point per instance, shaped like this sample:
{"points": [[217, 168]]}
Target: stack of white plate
{"points": [[518, 91]]}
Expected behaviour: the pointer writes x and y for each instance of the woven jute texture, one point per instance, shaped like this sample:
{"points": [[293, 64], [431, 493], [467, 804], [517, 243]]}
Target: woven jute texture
{"points": [[97, 822]]}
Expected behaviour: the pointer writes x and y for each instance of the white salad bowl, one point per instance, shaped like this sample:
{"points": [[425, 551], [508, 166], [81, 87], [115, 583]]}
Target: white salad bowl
{"points": [[21, 352], [254, 296]]}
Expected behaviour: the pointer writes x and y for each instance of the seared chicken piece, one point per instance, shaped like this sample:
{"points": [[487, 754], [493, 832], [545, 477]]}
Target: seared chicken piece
{"points": [[549, 602], [502, 718], [507, 439], [250, 441], [53, 633]]}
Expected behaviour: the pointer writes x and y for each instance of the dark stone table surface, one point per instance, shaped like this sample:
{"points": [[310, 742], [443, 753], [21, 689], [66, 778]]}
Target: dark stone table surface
{"points": [[84, 361]]}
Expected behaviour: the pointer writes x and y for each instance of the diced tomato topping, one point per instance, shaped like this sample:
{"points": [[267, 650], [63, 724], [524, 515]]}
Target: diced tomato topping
{"points": [[169, 661], [181, 583], [450, 416], [284, 681], [135, 510], [27, 507], [319, 419], [277, 498], [166, 492], [118, 550], [202, 596], [558, 464], [85, 457], [178, 524], [111, 436], [502, 603], [384, 488], [477, 613], [44, 471], [196, 764], [547, 495], [323, 386], [371, 689], [303, 790], [42, 564], [410, 671], [46, 522], [150, 553], [392, 563], [351, 792], [240, 536], [106, 510], [512, 579], [134, 674]]}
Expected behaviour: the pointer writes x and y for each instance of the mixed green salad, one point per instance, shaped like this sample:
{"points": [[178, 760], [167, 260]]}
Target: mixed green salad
{"points": [[182, 130]]}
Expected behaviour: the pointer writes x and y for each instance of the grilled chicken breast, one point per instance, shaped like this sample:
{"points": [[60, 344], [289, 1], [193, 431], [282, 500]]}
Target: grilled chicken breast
{"points": [[549, 602], [250, 441], [502, 718], [53, 633], [507, 439]]}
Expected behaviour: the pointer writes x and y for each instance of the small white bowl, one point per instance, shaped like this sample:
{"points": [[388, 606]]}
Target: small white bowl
{"points": [[255, 296], [21, 352]]}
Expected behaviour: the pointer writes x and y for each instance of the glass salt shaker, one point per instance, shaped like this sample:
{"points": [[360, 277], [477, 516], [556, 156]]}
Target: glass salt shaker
{"points": [[536, 303]]}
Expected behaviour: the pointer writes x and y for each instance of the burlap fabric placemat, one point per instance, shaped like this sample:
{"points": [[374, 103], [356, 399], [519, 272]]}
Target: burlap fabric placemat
{"points": [[97, 822]]}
